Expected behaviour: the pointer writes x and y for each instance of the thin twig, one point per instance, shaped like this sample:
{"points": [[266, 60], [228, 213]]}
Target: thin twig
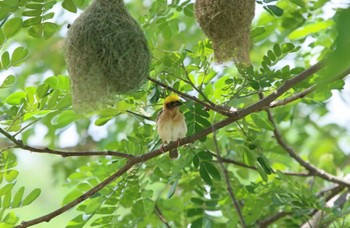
{"points": [[25, 127], [293, 97], [312, 169], [266, 222], [216, 108], [241, 164], [228, 182], [139, 115], [161, 216], [308, 90], [45, 150], [194, 86], [7, 148]]}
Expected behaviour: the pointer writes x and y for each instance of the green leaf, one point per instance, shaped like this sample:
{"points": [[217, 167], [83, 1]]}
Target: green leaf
{"points": [[103, 120], [287, 47], [42, 90], [262, 172], [12, 27], [257, 31], [94, 205], [36, 6], [11, 175], [297, 70], [44, 30], [203, 121], [53, 99], [204, 155], [78, 222], [265, 164], [18, 56], [194, 211], [300, 3], [275, 10], [2, 38], [32, 13], [10, 219], [197, 201], [172, 189], [204, 174], [49, 29], [65, 102], [212, 170], [17, 199], [32, 21], [31, 197], [271, 56], [64, 118], [188, 10], [310, 29], [10, 80], [198, 223], [102, 221], [7, 188], [195, 161], [6, 201], [262, 122], [5, 59], [277, 50], [69, 5], [71, 196], [15, 98]]}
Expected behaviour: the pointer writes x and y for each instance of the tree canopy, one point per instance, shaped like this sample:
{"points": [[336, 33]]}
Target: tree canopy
{"points": [[258, 151]]}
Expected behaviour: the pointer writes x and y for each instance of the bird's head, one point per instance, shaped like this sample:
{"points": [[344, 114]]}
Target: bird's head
{"points": [[172, 101]]}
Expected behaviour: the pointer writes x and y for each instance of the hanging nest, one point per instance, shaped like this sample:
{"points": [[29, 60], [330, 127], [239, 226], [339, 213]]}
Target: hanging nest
{"points": [[106, 54], [227, 25]]}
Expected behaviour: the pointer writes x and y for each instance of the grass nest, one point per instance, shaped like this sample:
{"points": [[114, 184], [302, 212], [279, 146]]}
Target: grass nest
{"points": [[106, 53], [227, 25]]}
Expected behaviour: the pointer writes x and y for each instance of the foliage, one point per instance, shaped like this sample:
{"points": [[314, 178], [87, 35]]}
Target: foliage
{"points": [[287, 38]]}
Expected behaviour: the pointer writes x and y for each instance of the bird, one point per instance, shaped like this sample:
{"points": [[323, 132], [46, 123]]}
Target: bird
{"points": [[171, 124]]}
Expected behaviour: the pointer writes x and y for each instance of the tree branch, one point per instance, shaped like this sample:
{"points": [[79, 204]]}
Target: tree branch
{"points": [[312, 169], [266, 222], [161, 216], [45, 150], [228, 183], [241, 164], [145, 157], [308, 90]]}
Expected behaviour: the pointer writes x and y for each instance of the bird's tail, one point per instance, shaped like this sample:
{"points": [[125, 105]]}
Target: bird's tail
{"points": [[173, 154]]}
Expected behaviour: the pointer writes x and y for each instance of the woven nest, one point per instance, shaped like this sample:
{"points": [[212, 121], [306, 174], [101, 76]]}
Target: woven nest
{"points": [[106, 54], [227, 25]]}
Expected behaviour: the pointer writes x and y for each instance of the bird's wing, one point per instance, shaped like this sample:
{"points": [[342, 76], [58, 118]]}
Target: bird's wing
{"points": [[159, 113]]}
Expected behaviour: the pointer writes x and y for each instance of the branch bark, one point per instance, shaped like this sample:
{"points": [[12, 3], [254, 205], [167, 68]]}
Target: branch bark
{"points": [[312, 169], [241, 164], [161, 216], [228, 182], [45, 150]]}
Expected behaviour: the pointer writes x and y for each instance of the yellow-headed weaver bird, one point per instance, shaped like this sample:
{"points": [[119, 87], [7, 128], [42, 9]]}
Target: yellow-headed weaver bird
{"points": [[171, 123]]}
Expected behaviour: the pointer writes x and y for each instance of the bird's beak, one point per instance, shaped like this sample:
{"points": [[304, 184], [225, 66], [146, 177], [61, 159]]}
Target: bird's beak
{"points": [[178, 103]]}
